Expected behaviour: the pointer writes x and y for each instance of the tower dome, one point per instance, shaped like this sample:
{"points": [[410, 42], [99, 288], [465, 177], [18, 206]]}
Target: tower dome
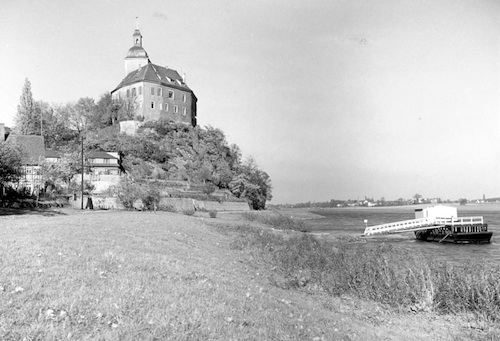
{"points": [[136, 55], [137, 52]]}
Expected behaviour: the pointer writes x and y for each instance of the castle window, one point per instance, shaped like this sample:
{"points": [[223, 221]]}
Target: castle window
{"points": [[133, 92], [171, 94], [161, 106], [166, 106], [176, 109], [184, 98], [184, 111], [128, 92], [140, 90], [152, 105], [159, 92], [152, 91]]}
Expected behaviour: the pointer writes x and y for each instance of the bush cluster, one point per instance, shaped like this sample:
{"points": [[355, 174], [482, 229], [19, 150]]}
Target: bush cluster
{"points": [[382, 273], [129, 191], [188, 212]]}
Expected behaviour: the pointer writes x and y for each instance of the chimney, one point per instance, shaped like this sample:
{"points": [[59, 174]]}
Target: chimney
{"points": [[184, 78], [2, 132]]}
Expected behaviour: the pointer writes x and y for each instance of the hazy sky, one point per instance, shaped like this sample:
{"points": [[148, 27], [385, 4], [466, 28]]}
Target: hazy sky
{"points": [[335, 99]]}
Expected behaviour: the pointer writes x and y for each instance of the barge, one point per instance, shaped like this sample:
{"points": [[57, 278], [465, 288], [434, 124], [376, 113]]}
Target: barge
{"points": [[440, 224]]}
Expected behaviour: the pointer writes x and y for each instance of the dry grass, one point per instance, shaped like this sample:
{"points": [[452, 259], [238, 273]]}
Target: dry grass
{"points": [[165, 276]]}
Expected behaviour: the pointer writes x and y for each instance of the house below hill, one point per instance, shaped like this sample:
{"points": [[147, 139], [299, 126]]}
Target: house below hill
{"points": [[33, 155]]}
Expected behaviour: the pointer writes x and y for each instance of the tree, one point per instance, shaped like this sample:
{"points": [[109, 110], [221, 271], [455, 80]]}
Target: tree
{"points": [[59, 175], [123, 109], [417, 197], [252, 184], [105, 114], [26, 121], [10, 163]]}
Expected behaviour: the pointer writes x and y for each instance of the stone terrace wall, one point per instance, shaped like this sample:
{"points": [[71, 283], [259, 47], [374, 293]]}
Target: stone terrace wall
{"points": [[223, 206], [175, 204]]}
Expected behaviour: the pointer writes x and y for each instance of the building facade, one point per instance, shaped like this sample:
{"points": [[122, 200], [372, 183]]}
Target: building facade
{"points": [[154, 92], [32, 157]]}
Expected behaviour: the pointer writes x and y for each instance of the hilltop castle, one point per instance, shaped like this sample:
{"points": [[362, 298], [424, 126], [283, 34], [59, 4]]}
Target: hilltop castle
{"points": [[157, 92]]}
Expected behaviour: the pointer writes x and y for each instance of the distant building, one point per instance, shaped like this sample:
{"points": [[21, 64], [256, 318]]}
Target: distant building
{"points": [[155, 91]]}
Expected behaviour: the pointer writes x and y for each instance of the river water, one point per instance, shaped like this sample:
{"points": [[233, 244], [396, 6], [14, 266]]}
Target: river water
{"points": [[350, 221]]}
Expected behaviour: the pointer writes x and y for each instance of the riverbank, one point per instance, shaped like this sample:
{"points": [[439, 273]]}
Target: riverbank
{"points": [[117, 275]]}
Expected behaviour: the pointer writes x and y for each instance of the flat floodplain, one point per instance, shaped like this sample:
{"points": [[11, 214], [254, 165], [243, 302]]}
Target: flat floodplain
{"points": [[115, 275]]}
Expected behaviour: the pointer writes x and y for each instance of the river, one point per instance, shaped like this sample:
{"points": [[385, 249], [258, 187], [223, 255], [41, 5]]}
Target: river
{"points": [[350, 221]]}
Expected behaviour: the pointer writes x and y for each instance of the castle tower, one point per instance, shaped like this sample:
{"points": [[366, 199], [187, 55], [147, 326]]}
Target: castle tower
{"points": [[137, 57]]}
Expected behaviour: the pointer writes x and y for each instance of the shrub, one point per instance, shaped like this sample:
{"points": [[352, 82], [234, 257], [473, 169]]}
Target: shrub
{"points": [[150, 195], [128, 192], [212, 214], [189, 212], [166, 208]]}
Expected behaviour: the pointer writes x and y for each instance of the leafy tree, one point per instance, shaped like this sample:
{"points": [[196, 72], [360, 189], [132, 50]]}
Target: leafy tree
{"points": [[26, 121], [252, 184], [105, 113], [59, 175], [123, 109], [10, 163]]}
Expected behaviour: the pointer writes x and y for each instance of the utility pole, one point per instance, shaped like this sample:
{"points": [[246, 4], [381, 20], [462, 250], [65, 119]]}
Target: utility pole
{"points": [[82, 169]]}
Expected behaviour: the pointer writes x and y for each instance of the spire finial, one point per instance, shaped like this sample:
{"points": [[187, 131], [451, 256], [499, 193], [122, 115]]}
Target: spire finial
{"points": [[137, 22]]}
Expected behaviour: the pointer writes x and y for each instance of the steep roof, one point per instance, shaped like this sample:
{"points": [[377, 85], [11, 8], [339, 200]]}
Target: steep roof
{"points": [[33, 147], [101, 155], [155, 74]]}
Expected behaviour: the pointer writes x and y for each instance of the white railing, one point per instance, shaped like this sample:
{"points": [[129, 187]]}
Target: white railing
{"points": [[459, 221], [401, 226]]}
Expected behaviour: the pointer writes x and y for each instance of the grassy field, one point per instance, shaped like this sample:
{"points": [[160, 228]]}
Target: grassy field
{"points": [[113, 275]]}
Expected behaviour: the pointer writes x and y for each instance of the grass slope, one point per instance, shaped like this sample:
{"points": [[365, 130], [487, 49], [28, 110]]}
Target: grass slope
{"points": [[164, 276]]}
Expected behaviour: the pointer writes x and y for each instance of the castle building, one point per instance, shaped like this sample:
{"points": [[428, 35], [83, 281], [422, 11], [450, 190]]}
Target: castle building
{"points": [[155, 92]]}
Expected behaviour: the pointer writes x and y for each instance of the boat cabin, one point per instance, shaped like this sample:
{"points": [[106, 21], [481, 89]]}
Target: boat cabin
{"points": [[436, 212]]}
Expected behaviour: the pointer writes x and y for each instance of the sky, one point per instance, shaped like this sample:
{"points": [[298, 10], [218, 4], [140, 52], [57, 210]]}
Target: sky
{"points": [[335, 99]]}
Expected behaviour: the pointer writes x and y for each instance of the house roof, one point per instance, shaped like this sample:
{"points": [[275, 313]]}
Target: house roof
{"points": [[33, 147], [155, 74], [95, 154]]}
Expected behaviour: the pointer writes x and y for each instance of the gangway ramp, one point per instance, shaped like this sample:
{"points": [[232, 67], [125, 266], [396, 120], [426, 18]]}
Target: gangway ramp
{"points": [[421, 224], [401, 226]]}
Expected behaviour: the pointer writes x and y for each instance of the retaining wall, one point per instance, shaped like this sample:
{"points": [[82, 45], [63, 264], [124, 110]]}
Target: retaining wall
{"points": [[175, 204]]}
